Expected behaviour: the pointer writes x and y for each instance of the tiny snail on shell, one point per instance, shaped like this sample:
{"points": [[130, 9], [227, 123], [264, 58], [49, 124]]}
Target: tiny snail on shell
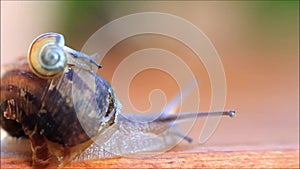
{"points": [[48, 56]]}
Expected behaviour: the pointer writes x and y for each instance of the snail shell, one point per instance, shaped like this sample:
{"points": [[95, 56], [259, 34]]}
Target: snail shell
{"points": [[46, 55], [42, 110]]}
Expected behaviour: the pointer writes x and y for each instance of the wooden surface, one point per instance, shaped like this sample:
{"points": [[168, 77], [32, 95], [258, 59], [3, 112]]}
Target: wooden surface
{"points": [[288, 158]]}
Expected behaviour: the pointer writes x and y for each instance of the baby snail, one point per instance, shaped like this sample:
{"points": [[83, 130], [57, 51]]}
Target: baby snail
{"points": [[37, 103], [47, 55]]}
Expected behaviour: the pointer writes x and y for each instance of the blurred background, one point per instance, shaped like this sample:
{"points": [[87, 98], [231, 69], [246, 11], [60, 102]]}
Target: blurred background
{"points": [[257, 41]]}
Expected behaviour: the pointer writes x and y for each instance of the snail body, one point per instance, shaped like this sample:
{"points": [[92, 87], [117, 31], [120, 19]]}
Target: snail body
{"points": [[68, 111]]}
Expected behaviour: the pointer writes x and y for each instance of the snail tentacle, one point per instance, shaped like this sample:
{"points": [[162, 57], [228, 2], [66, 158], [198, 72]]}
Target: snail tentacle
{"points": [[77, 54]]}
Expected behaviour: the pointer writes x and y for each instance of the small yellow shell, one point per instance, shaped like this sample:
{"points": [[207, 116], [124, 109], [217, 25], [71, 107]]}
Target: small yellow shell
{"points": [[46, 55]]}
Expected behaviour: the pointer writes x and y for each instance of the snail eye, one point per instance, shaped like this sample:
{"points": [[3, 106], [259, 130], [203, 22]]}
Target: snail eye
{"points": [[46, 55]]}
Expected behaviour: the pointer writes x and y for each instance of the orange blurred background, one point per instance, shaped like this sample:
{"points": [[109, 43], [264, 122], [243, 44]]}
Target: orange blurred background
{"points": [[257, 41]]}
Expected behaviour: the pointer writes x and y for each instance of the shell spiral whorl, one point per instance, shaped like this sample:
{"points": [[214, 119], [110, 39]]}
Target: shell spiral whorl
{"points": [[46, 55]]}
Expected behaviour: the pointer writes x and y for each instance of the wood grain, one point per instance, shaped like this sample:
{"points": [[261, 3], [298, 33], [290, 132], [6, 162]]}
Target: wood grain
{"points": [[222, 159]]}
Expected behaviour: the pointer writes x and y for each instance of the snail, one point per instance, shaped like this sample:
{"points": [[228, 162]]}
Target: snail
{"points": [[47, 55], [37, 103]]}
